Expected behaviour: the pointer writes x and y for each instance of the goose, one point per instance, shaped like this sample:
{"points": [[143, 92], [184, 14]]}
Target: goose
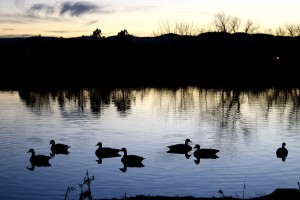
{"points": [[205, 153], [106, 152], [58, 148], [180, 148], [131, 160], [282, 152], [39, 160]]}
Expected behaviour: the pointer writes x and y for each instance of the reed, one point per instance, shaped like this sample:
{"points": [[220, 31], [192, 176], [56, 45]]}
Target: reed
{"points": [[85, 193]]}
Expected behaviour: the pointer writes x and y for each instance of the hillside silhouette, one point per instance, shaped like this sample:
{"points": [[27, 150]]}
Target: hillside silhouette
{"points": [[214, 59]]}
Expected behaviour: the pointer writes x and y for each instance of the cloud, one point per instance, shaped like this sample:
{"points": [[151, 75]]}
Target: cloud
{"points": [[91, 22], [61, 8], [65, 31], [59, 11], [78, 8], [139, 8], [19, 3], [11, 21], [38, 8], [8, 29]]}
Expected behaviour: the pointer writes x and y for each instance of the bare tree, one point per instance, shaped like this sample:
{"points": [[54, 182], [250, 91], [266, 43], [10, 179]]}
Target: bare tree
{"points": [[163, 28], [226, 23], [234, 24], [292, 30], [182, 28], [200, 30], [280, 31], [268, 31], [221, 22], [250, 27], [298, 30]]}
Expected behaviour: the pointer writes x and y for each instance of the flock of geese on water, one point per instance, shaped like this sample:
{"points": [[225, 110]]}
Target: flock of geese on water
{"points": [[134, 160]]}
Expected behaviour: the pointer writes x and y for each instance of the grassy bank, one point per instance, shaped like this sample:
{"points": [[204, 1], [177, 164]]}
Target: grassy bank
{"points": [[277, 194]]}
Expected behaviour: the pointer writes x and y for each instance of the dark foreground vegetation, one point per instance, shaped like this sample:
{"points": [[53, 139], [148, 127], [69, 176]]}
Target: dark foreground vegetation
{"points": [[277, 194], [211, 59]]}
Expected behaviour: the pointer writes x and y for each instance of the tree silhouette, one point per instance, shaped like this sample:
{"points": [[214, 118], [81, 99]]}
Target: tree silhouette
{"points": [[123, 33], [226, 23], [292, 30], [180, 28], [97, 33], [250, 27], [124, 37]]}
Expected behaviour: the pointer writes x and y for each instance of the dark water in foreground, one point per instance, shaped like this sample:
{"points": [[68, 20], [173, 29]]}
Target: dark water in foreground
{"points": [[246, 126]]}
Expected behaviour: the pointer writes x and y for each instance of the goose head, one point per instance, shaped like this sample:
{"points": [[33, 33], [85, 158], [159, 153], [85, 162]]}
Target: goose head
{"points": [[31, 151], [99, 144], [187, 141], [124, 150]]}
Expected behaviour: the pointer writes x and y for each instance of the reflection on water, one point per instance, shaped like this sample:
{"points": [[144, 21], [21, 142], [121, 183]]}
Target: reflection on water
{"points": [[246, 126], [229, 106]]}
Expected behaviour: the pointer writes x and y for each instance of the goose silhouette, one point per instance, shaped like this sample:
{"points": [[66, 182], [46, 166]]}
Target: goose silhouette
{"points": [[58, 148], [282, 152], [205, 153], [130, 160], [201, 153], [38, 160], [106, 152], [180, 148]]}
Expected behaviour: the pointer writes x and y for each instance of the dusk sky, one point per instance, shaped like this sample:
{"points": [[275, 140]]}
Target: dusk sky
{"points": [[139, 17]]}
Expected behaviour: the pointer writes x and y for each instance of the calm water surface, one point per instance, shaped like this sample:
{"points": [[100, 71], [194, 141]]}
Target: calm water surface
{"points": [[246, 126]]}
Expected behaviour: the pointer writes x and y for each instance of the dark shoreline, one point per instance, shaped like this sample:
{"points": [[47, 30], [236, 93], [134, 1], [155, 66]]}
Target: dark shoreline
{"points": [[277, 194], [209, 60]]}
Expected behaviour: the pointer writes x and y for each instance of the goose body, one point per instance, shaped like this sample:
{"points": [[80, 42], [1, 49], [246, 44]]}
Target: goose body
{"points": [[131, 160], [106, 152], [282, 152], [59, 148], [180, 148], [205, 153], [39, 160]]}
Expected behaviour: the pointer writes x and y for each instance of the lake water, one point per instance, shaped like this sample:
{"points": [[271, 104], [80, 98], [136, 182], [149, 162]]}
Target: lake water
{"points": [[246, 126]]}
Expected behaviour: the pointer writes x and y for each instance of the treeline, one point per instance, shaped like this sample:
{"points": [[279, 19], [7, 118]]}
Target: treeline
{"points": [[210, 59], [223, 22]]}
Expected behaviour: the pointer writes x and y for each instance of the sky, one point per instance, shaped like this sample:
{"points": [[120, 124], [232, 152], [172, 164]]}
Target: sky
{"points": [[63, 18]]}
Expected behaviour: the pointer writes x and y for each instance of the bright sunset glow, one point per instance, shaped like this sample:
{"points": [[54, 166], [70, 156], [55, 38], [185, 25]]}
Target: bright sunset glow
{"points": [[65, 18]]}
